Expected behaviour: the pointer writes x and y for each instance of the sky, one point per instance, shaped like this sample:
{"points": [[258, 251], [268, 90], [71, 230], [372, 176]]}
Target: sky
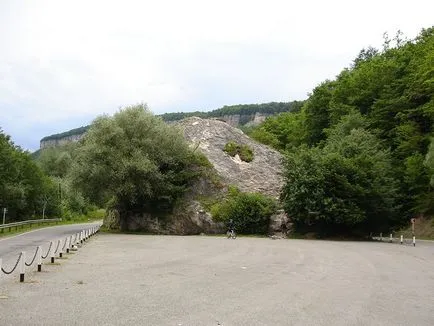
{"points": [[63, 63]]}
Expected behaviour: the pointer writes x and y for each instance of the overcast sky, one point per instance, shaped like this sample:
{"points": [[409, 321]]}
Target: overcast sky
{"points": [[62, 63]]}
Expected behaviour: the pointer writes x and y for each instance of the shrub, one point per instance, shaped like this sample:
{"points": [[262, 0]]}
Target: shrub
{"points": [[250, 211], [244, 151]]}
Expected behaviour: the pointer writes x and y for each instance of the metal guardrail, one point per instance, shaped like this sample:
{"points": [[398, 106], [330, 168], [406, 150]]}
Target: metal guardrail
{"points": [[29, 222], [38, 256]]}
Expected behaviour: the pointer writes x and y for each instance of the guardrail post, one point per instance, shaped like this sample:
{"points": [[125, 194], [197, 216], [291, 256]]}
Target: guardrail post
{"points": [[69, 244], [391, 238], [22, 266], [402, 238], [52, 256], [414, 241], [61, 249], [39, 261], [381, 236]]}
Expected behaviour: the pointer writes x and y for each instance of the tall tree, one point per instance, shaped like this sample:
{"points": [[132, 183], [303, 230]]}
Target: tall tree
{"points": [[135, 161]]}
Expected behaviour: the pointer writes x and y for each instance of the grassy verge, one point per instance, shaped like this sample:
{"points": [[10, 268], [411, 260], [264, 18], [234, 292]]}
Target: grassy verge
{"points": [[92, 217], [423, 229]]}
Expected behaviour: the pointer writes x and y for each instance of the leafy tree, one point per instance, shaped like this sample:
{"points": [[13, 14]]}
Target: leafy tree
{"points": [[317, 112], [346, 186], [22, 183], [250, 212], [135, 161], [285, 131], [56, 161]]}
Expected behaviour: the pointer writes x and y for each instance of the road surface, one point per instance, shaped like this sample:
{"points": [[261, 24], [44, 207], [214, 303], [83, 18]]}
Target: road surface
{"points": [[162, 280], [11, 247]]}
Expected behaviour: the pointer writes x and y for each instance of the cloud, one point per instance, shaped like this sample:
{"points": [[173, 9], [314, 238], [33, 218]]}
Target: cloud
{"points": [[63, 63]]}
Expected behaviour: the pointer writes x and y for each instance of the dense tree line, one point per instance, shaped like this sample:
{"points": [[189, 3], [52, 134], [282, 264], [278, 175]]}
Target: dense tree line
{"points": [[24, 189], [360, 151], [242, 109]]}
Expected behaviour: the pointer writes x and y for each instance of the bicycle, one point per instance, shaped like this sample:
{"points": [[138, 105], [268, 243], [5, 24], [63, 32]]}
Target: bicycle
{"points": [[231, 234]]}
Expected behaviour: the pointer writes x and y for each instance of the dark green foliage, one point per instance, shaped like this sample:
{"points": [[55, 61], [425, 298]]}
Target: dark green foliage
{"points": [[241, 109], [250, 212], [385, 95], [24, 190], [243, 150], [347, 186]]}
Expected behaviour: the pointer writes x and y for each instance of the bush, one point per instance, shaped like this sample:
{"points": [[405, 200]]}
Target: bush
{"points": [[250, 211], [345, 187], [244, 151]]}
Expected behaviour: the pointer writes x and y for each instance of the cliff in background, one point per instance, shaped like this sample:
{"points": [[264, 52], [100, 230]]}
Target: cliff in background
{"points": [[234, 115]]}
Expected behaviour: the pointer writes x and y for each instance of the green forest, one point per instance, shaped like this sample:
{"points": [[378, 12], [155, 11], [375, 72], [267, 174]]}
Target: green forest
{"points": [[358, 153]]}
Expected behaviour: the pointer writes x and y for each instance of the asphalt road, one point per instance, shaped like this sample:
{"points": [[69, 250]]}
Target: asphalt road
{"points": [[162, 280], [11, 247]]}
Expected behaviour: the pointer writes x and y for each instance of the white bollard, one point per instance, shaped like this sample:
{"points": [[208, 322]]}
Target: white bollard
{"points": [[391, 238], [22, 266], [414, 241], [381, 236], [402, 238], [39, 256]]}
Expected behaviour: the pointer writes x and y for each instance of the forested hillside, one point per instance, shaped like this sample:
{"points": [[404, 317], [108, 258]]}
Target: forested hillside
{"points": [[242, 109], [24, 189], [359, 154]]}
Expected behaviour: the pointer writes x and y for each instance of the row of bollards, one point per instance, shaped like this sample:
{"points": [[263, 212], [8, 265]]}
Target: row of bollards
{"points": [[71, 245], [401, 239]]}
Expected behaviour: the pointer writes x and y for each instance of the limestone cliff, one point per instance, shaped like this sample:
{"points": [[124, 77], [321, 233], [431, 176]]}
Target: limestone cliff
{"points": [[263, 174]]}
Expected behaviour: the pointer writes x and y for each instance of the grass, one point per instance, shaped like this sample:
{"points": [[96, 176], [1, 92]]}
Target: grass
{"points": [[423, 229], [26, 228]]}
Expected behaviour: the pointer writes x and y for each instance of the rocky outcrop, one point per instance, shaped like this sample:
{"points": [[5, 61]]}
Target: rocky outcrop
{"points": [[60, 141], [263, 174], [236, 120], [209, 136]]}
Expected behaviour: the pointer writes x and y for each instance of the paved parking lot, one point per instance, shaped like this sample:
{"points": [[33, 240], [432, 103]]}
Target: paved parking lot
{"points": [[168, 280]]}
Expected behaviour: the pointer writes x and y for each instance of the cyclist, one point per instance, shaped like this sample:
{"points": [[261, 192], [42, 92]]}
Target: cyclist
{"points": [[231, 229]]}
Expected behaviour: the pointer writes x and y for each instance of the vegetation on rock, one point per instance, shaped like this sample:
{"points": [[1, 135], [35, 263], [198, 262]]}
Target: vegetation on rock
{"points": [[243, 150]]}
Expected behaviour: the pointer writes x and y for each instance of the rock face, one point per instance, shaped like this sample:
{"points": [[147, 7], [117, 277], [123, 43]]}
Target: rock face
{"points": [[60, 142], [236, 120], [210, 136]]}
